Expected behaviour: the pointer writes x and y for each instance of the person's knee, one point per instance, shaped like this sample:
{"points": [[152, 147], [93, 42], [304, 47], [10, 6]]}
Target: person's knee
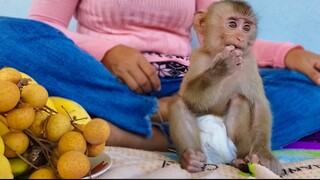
{"points": [[272, 75]]}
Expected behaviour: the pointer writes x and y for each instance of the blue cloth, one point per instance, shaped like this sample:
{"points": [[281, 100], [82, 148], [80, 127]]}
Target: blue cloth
{"points": [[295, 105], [65, 70]]}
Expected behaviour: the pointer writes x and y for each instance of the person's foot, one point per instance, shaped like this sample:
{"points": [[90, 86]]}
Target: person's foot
{"points": [[121, 138]]}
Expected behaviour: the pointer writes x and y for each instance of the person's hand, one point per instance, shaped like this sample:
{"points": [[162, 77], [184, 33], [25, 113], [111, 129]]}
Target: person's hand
{"points": [[131, 68], [305, 62]]}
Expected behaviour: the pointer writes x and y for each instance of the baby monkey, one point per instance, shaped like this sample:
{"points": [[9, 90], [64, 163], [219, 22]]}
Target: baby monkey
{"points": [[223, 80]]}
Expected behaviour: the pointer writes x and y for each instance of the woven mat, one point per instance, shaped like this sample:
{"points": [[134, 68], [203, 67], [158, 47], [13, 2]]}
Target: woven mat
{"points": [[137, 164]]}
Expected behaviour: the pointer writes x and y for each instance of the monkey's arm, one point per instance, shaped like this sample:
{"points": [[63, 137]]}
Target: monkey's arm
{"points": [[209, 78], [185, 134], [205, 72], [198, 86], [183, 126]]}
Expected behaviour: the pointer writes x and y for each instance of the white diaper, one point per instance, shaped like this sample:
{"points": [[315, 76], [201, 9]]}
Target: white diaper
{"points": [[217, 147]]}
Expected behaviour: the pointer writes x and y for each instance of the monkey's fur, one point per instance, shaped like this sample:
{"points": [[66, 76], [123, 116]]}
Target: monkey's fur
{"points": [[223, 80]]}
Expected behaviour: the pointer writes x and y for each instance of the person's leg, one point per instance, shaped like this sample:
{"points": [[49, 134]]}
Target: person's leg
{"points": [[64, 70], [160, 139], [295, 105], [122, 138], [169, 87]]}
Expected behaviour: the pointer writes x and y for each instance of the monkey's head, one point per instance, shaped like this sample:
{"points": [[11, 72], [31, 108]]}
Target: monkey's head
{"points": [[228, 22]]}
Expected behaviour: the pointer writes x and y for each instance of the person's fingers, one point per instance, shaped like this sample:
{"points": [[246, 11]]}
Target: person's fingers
{"points": [[313, 73], [150, 72], [317, 65], [142, 80], [317, 69], [130, 82]]}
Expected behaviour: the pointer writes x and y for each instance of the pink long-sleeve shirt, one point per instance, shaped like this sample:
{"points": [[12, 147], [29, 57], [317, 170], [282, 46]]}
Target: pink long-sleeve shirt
{"points": [[162, 26]]}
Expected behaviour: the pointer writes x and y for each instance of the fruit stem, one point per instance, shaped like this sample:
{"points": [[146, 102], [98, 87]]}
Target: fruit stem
{"points": [[21, 157], [46, 108], [24, 159], [44, 148]]}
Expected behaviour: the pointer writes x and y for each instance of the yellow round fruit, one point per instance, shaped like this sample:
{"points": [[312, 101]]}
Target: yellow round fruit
{"points": [[5, 168], [3, 120], [73, 165], [96, 131], [95, 150], [72, 141], [10, 95], [16, 142], [1, 146], [3, 127], [10, 74], [35, 94], [18, 166], [21, 118], [43, 173], [37, 126], [57, 125]]}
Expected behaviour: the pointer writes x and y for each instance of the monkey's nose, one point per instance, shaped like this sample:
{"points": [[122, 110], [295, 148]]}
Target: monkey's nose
{"points": [[240, 39]]}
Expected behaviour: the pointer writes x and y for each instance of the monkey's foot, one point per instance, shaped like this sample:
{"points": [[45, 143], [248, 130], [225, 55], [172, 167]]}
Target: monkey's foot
{"points": [[254, 158], [241, 164], [267, 160], [192, 161]]}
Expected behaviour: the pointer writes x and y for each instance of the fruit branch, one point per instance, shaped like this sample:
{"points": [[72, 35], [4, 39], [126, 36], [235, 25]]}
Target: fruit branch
{"points": [[44, 148]]}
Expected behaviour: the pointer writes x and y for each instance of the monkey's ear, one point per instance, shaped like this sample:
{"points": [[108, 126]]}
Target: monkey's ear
{"points": [[198, 21]]}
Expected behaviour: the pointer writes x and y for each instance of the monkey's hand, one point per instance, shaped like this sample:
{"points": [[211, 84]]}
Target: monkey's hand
{"points": [[229, 60], [192, 161]]}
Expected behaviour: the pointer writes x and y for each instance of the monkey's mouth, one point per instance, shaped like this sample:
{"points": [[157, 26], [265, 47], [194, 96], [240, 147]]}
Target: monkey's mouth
{"points": [[237, 46]]}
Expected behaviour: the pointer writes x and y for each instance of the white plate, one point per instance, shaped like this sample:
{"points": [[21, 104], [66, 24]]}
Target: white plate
{"points": [[102, 159]]}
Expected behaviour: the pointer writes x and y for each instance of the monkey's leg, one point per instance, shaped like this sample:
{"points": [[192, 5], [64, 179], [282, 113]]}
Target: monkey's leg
{"points": [[184, 132], [238, 124], [251, 133]]}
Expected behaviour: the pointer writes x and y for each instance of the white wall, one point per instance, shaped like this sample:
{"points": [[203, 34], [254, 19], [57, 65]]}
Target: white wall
{"points": [[297, 21], [20, 9], [15, 8]]}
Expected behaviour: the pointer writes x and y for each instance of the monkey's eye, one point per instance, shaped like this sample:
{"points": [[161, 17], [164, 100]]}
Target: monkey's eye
{"points": [[232, 24], [246, 27]]}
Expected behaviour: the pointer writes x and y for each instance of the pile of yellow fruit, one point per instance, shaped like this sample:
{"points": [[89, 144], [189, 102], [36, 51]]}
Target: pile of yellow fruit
{"points": [[42, 136]]}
